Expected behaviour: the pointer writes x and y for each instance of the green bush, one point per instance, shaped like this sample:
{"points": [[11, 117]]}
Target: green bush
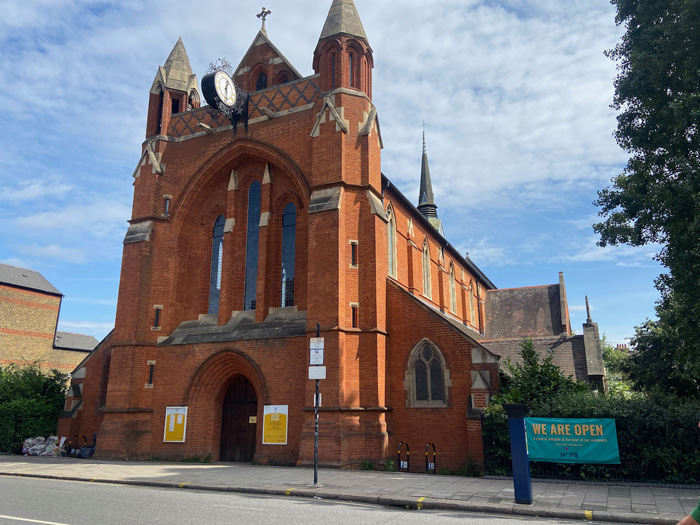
{"points": [[657, 434], [29, 404]]}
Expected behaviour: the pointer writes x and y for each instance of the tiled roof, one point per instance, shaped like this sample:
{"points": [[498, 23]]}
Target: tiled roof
{"points": [[24, 278], [69, 341]]}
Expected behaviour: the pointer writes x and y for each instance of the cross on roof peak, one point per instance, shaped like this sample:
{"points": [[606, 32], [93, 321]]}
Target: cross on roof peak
{"points": [[263, 15]]}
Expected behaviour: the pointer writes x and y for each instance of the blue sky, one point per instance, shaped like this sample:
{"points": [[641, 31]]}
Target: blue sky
{"points": [[515, 93]]}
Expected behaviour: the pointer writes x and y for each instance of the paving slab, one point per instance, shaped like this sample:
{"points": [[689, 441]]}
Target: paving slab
{"points": [[620, 504]]}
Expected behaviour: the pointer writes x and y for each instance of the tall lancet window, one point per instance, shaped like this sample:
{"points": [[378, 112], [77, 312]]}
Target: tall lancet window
{"points": [[333, 70], [217, 252], [472, 304], [391, 241], [453, 289], [251, 247], [350, 69], [289, 225], [427, 288]]}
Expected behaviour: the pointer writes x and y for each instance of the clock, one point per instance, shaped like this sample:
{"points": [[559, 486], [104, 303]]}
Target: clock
{"points": [[224, 96], [219, 88]]}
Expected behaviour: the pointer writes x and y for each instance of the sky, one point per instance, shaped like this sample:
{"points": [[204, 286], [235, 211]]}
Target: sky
{"points": [[515, 95]]}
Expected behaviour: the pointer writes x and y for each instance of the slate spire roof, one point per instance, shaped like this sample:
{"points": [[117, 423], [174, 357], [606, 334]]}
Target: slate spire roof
{"points": [[177, 68], [343, 18], [426, 199]]}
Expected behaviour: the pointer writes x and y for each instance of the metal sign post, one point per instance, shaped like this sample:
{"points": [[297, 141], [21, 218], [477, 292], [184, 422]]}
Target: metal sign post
{"points": [[316, 371]]}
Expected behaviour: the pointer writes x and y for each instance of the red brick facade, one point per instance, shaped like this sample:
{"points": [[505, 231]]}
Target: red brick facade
{"points": [[314, 142]]}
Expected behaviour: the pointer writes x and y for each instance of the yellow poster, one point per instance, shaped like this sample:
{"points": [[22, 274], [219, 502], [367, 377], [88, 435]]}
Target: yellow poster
{"points": [[175, 424], [275, 424]]}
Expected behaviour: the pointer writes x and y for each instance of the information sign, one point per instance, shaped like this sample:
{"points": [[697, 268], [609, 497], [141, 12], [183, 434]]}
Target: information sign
{"points": [[317, 372], [275, 424], [175, 424], [316, 351], [572, 440]]}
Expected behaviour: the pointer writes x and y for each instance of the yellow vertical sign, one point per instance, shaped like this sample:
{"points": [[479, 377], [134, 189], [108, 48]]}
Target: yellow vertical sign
{"points": [[175, 424], [275, 424]]}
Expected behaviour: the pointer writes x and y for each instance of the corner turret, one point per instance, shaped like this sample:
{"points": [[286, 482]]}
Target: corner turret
{"points": [[343, 56], [174, 90]]}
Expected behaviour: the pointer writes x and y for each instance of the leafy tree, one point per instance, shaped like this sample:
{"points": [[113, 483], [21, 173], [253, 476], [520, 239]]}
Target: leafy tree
{"points": [[533, 382], [657, 197], [29, 404], [616, 368]]}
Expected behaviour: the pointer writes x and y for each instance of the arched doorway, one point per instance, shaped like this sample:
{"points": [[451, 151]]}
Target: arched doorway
{"points": [[238, 430]]}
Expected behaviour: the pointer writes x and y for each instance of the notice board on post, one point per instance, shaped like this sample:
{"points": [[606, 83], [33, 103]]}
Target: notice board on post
{"points": [[572, 440], [275, 424]]}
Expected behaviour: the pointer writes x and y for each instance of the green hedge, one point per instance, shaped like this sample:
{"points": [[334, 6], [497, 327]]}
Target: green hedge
{"points": [[30, 402], [659, 438], [23, 418]]}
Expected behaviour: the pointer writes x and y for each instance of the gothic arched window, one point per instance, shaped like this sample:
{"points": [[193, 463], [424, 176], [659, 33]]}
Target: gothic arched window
{"points": [[289, 224], [427, 289], [391, 241], [261, 83], [217, 251], [333, 70], [453, 289], [350, 66], [428, 377], [251, 247], [472, 304]]}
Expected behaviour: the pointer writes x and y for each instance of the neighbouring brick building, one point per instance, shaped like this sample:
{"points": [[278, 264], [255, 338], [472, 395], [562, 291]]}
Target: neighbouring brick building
{"points": [[242, 240], [29, 308]]}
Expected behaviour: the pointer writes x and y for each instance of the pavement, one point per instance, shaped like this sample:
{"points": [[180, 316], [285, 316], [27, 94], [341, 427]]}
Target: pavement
{"points": [[553, 499]]}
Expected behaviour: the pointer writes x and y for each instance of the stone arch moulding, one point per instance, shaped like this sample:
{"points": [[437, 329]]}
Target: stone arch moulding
{"points": [[230, 157], [212, 377], [409, 377]]}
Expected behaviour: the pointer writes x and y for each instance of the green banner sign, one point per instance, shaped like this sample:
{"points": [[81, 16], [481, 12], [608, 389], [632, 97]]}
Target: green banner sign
{"points": [[572, 440]]}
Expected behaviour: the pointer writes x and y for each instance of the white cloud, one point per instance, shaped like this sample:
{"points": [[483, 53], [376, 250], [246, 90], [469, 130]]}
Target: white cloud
{"points": [[34, 189], [88, 300], [483, 253], [100, 218], [60, 253], [15, 261], [621, 255], [99, 330], [579, 307]]}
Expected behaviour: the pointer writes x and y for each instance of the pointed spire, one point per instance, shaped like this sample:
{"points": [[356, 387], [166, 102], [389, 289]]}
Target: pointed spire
{"points": [[343, 18], [589, 320], [426, 199], [177, 68]]}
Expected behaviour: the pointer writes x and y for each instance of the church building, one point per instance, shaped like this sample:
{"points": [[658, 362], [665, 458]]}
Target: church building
{"points": [[265, 221]]}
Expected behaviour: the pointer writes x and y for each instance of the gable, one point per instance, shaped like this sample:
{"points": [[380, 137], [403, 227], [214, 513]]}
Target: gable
{"points": [[264, 57]]}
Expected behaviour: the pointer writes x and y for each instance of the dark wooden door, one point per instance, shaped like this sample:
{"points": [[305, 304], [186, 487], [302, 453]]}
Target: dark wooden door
{"points": [[237, 431]]}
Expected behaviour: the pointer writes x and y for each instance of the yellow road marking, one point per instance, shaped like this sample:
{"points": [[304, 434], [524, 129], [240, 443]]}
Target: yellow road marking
{"points": [[420, 503], [588, 514], [185, 483], [289, 491]]}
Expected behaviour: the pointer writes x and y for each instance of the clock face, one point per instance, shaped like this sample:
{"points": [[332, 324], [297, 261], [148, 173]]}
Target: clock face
{"points": [[225, 89]]}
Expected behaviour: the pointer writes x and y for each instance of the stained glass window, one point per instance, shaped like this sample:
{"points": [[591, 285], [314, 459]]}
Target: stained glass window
{"points": [[289, 222], [251, 247], [217, 253]]}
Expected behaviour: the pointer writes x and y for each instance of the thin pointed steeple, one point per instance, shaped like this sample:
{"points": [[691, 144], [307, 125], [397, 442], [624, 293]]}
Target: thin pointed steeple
{"points": [[344, 19], [177, 68], [426, 198]]}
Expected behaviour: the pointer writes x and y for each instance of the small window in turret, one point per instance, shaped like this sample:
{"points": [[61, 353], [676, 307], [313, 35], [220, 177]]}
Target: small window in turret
{"points": [[175, 107]]}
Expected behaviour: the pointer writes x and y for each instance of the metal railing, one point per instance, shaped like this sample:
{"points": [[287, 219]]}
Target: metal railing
{"points": [[656, 450]]}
